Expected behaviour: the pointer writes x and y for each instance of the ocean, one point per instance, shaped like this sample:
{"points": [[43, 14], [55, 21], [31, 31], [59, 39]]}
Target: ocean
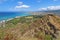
{"points": [[7, 15]]}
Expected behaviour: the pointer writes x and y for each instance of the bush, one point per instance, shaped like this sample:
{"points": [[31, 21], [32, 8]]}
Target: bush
{"points": [[48, 37]]}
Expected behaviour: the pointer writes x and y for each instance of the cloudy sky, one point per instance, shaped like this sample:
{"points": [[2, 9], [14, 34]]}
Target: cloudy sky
{"points": [[29, 5]]}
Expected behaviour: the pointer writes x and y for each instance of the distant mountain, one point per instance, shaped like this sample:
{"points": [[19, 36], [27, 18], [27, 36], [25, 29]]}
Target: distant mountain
{"points": [[57, 12]]}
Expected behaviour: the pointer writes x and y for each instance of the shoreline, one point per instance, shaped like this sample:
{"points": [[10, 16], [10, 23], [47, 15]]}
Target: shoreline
{"points": [[9, 19], [2, 22]]}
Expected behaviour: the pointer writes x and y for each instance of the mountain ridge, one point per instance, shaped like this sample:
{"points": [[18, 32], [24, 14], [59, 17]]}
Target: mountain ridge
{"points": [[33, 27]]}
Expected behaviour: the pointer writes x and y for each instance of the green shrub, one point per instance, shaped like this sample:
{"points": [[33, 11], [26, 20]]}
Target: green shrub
{"points": [[48, 37]]}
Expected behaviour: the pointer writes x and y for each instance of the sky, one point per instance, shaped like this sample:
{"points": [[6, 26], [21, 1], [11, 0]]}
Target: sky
{"points": [[29, 5]]}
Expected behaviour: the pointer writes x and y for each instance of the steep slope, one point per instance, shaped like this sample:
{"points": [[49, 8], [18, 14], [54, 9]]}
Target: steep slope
{"points": [[34, 27]]}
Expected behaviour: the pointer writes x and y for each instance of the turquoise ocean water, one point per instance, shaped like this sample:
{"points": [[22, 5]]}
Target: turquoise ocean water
{"points": [[7, 15]]}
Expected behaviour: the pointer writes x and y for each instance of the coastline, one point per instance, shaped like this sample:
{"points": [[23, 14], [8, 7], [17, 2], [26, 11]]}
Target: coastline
{"points": [[9, 19], [2, 22]]}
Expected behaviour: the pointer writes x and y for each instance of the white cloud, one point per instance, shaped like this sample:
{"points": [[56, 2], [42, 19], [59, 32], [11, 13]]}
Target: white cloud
{"points": [[19, 7], [20, 3], [42, 8], [51, 8], [54, 7], [22, 6]]}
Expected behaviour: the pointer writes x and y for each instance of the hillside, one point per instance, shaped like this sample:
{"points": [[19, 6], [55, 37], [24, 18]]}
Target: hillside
{"points": [[33, 27]]}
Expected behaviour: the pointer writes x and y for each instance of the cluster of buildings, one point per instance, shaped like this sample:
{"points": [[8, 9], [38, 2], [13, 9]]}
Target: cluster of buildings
{"points": [[2, 23]]}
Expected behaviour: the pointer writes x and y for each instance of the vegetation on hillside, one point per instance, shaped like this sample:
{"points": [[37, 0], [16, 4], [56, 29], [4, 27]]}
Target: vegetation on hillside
{"points": [[33, 27]]}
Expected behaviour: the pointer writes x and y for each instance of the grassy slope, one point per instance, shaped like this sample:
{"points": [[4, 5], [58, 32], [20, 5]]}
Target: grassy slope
{"points": [[31, 28]]}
